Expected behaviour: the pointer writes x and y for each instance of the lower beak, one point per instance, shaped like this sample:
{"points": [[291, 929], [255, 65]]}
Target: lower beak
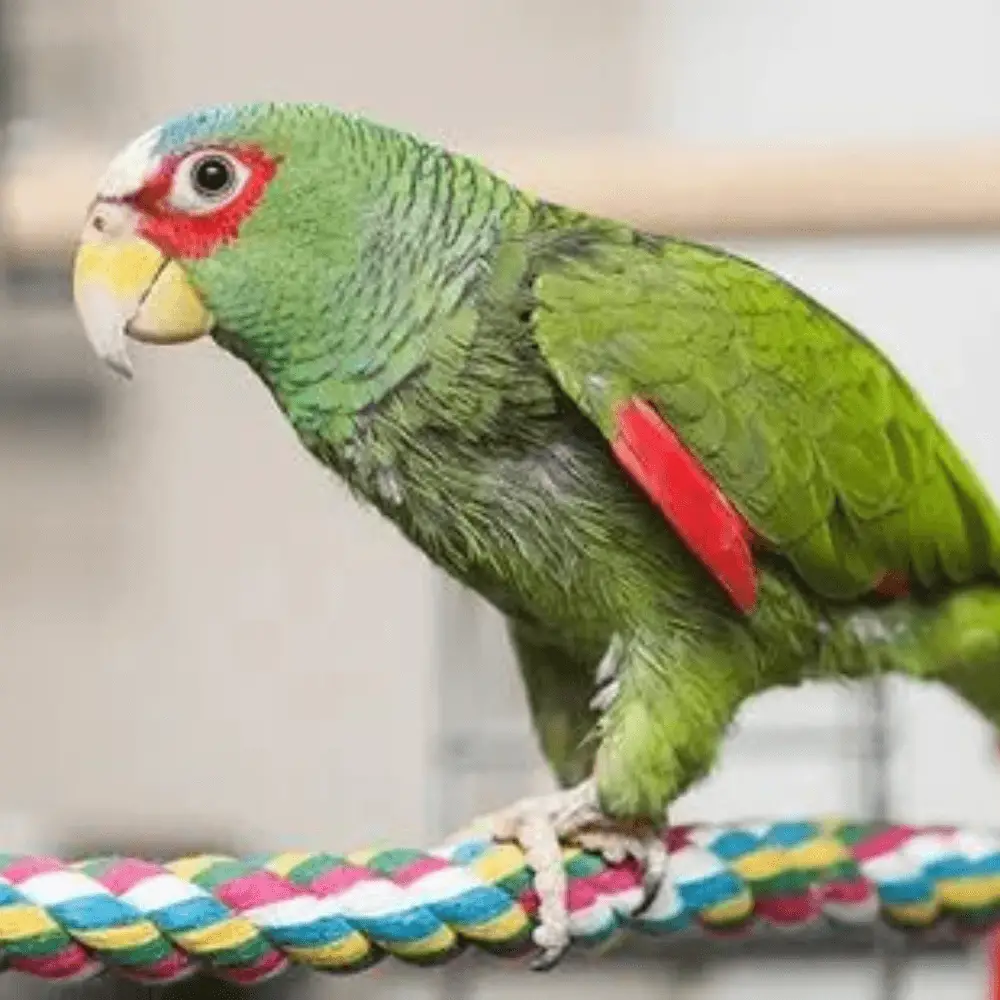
{"points": [[125, 287]]}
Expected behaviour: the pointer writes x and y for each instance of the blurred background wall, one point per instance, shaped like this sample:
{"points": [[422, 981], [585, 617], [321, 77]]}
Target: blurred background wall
{"points": [[206, 643]]}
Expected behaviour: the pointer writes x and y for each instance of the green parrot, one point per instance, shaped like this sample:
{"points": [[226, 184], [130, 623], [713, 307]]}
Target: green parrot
{"points": [[682, 480]]}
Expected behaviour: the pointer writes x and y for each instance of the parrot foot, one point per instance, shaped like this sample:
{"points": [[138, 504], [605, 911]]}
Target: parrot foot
{"points": [[540, 825]]}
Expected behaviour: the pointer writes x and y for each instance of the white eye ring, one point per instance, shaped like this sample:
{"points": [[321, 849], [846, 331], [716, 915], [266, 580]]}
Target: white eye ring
{"points": [[207, 180]]}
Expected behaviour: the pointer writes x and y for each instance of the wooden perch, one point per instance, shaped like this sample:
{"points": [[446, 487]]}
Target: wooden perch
{"points": [[791, 192], [949, 188]]}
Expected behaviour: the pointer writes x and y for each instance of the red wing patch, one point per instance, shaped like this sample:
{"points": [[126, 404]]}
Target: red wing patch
{"points": [[689, 498]]}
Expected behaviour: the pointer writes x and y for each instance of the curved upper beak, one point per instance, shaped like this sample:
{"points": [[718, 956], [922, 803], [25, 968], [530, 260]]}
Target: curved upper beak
{"points": [[125, 287]]}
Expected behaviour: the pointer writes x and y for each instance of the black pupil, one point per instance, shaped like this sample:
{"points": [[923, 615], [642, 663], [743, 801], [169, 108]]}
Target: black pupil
{"points": [[212, 175]]}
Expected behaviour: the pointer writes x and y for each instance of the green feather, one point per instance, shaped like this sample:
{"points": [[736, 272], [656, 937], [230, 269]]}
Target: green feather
{"points": [[455, 349], [807, 449]]}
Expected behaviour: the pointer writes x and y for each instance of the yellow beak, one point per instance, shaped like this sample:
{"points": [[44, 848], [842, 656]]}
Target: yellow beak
{"points": [[124, 287]]}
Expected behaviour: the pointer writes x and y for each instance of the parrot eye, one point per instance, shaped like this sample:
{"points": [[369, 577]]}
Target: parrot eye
{"points": [[212, 176], [205, 181]]}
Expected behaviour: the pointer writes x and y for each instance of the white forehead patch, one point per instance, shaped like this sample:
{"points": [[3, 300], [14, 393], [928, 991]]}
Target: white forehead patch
{"points": [[130, 169]]}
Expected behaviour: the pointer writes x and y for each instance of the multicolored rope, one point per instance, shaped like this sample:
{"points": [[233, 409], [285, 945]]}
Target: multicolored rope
{"points": [[248, 920]]}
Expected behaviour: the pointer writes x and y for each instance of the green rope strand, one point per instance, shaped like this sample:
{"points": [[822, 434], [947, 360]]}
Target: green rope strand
{"points": [[248, 920]]}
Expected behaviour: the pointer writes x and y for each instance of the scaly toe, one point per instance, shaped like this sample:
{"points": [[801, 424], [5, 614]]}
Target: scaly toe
{"points": [[655, 868], [612, 847], [530, 824], [646, 849], [552, 946]]}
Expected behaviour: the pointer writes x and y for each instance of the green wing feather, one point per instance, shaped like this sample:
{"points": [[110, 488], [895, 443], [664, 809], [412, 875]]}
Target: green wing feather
{"points": [[808, 429]]}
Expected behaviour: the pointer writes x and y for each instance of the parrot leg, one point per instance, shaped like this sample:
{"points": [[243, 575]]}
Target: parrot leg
{"points": [[556, 683], [541, 825], [623, 754]]}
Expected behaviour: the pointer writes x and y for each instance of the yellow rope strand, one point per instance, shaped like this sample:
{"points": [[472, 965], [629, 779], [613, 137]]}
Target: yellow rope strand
{"points": [[246, 920]]}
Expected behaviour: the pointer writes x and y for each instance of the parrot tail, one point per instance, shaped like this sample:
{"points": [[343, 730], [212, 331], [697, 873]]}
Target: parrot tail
{"points": [[954, 640]]}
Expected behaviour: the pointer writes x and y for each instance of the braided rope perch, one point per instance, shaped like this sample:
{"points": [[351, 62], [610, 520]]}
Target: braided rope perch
{"points": [[248, 920]]}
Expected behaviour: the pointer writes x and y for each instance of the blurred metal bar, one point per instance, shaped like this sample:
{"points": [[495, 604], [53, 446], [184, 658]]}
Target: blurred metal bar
{"points": [[892, 965], [7, 83], [952, 188]]}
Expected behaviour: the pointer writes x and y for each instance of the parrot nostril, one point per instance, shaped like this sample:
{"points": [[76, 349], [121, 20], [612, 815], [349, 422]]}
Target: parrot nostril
{"points": [[99, 223]]}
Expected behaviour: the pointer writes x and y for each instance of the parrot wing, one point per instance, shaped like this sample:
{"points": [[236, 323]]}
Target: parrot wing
{"points": [[756, 420]]}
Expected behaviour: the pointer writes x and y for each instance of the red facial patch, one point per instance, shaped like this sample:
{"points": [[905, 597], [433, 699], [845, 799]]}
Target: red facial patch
{"points": [[193, 235], [689, 499]]}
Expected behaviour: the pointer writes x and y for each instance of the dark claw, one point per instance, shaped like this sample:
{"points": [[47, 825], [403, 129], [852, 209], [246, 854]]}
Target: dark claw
{"points": [[654, 873], [548, 958]]}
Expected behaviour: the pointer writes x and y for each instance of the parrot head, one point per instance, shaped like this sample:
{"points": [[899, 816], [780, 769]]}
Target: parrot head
{"points": [[225, 220]]}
